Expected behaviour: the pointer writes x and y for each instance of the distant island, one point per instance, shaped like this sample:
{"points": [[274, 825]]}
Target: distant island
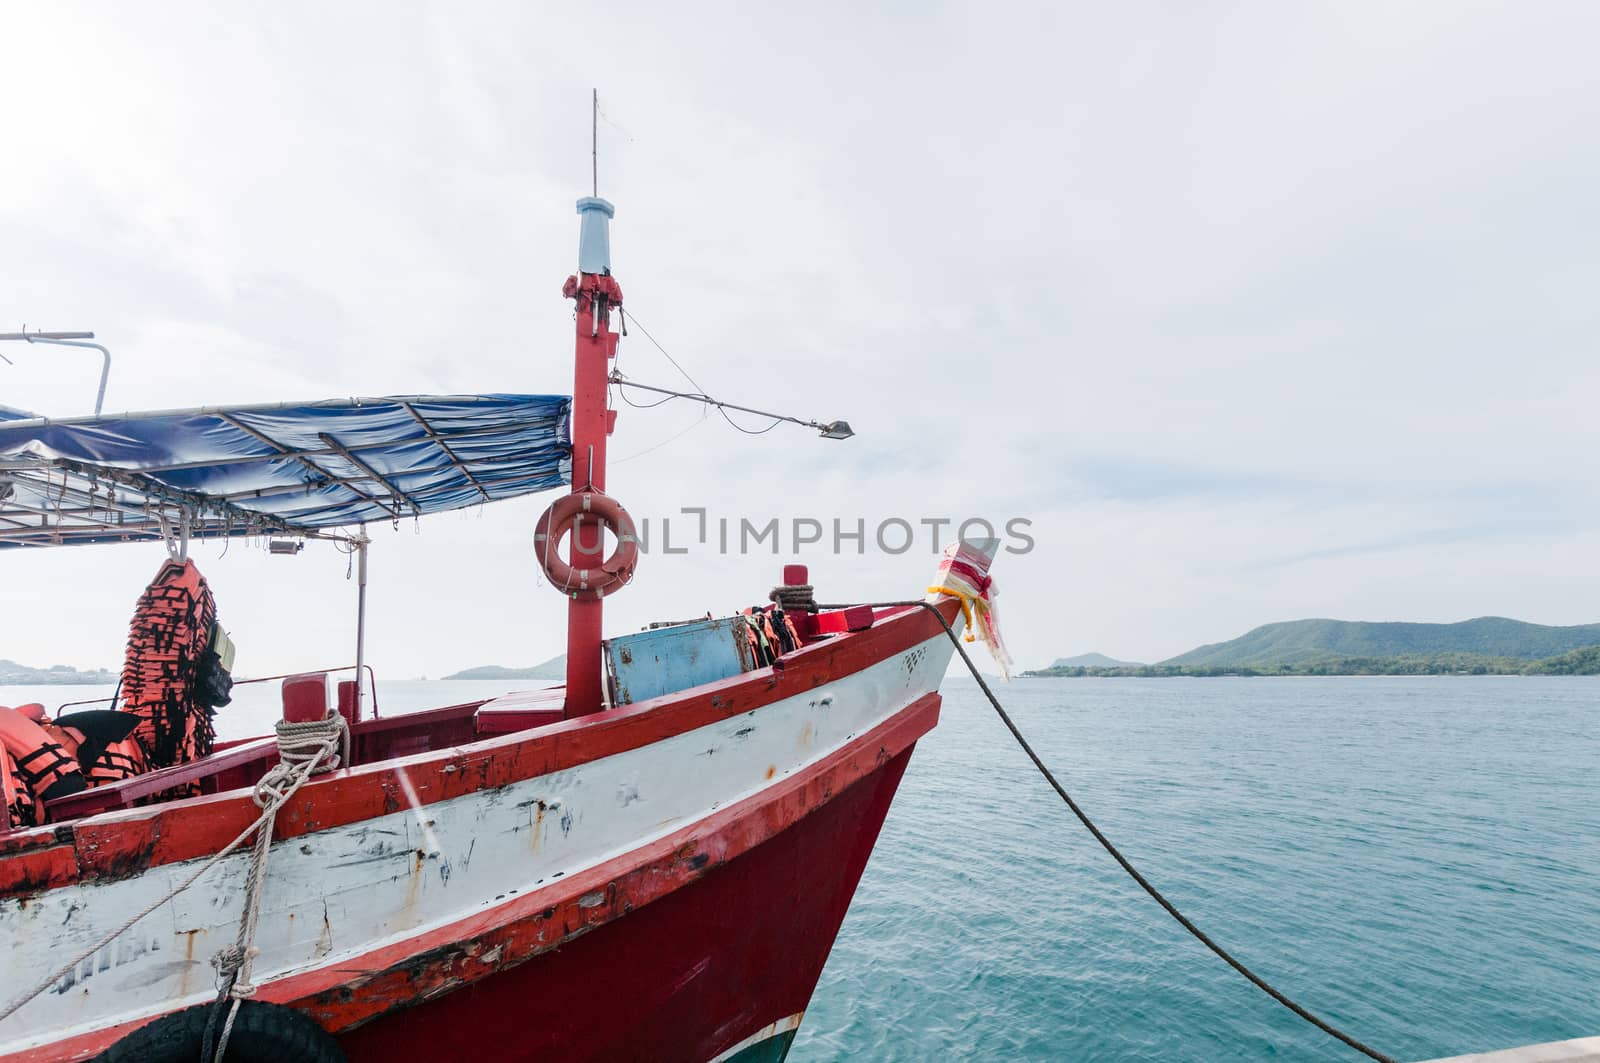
{"points": [[1489, 645], [1093, 660], [554, 668], [14, 674]]}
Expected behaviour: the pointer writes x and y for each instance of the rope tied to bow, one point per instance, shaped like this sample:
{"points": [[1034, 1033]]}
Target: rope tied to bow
{"points": [[305, 748]]}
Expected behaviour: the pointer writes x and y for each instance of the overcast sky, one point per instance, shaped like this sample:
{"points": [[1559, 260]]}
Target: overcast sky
{"points": [[1257, 312]]}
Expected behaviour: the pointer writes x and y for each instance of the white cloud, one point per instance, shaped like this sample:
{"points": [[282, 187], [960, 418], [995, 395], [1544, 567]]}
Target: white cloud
{"points": [[1259, 312]]}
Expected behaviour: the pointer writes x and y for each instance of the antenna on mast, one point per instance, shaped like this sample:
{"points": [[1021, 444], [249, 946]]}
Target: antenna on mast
{"points": [[594, 140]]}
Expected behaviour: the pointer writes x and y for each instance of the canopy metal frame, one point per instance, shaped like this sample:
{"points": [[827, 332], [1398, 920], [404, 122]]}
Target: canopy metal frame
{"points": [[47, 499], [115, 484]]}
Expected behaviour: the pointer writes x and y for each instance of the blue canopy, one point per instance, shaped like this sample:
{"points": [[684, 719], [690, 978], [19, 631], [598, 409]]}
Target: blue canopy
{"points": [[291, 469]]}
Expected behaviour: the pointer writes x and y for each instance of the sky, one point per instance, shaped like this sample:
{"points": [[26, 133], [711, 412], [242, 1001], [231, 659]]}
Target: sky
{"points": [[1251, 312]]}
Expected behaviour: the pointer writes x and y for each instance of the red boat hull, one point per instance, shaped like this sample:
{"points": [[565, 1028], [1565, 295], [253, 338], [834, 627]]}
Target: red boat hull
{"points": [[491, 900], [745, 943]]}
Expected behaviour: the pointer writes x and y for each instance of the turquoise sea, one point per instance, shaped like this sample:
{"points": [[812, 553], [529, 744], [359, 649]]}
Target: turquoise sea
{"points": [[1418, 860]]}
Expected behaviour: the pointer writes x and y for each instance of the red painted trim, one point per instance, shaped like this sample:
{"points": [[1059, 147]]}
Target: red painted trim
{"points": [[122, 794], [453, 955], [132, 841]]}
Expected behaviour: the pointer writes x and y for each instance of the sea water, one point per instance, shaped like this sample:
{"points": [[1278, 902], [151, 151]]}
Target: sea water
{"points": [[1416, 860]]}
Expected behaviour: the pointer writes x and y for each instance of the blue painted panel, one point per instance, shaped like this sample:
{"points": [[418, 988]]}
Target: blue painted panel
{"points": [[670, 659], [594, 235]]}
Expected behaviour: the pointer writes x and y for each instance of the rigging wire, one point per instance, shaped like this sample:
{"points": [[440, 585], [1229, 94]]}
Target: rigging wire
{"points": [[702, 396], [1116, 854], [640, 325], [721, 407], [673, 438], [776, 421], [670, 439], [641, 405]]}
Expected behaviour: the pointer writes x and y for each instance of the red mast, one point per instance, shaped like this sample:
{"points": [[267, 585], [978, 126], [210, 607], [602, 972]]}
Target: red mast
{"points": [[596, 292]]}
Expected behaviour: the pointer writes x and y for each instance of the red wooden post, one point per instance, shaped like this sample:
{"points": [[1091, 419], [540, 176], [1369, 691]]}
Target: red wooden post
{"points": [[596, 293], [305, 697]]}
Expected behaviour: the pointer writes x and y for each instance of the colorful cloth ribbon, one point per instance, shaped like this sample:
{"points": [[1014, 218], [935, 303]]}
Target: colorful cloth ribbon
{"points": [[964, 576]]}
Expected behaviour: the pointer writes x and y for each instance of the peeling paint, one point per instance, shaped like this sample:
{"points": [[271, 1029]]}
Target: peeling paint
{"points": [[347, 873], [325, 939]]}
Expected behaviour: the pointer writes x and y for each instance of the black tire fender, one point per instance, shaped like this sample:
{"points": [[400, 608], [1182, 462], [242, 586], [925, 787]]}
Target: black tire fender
{"points": [[262, 1033]]}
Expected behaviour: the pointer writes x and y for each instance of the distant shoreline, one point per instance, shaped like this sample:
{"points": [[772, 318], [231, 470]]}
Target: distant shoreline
{"points": [[1045, 673], [1585, 661]]}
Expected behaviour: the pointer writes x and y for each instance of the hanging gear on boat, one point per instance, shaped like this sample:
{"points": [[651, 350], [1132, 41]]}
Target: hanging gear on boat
{"points": [[213, 685], [786, 629], [168, 680], [571, 513], [755, 631], [39, 769], [772, 634]]}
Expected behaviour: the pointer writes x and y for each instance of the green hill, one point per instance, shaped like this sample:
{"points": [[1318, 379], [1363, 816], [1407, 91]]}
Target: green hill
{"points": [[1579, 662], [554, 668], [1299, 642]]}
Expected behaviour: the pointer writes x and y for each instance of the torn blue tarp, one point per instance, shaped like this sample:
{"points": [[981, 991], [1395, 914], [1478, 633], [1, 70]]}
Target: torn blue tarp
{"points": [[294, 468]]}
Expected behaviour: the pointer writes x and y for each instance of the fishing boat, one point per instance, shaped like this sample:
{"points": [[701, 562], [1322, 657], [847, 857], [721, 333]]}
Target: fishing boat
{"points": [[650, 861]]}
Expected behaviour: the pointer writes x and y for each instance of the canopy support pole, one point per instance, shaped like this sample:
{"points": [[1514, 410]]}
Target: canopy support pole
{"points": [[361, 542]]}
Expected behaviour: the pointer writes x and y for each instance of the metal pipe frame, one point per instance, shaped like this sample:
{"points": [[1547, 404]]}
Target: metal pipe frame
{"points": [[71, 339]]}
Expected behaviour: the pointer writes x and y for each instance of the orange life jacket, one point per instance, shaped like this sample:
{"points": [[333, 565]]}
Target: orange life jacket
{"points": [[41, 769], [118, 761], [16, 805], [103, 744], [171, 631]]}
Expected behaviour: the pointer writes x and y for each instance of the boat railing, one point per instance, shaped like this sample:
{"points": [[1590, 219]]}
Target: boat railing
{"points": [[372, 686]]}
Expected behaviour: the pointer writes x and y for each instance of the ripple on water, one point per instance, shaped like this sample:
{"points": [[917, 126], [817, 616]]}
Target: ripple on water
{"points": [[1416, 859]]}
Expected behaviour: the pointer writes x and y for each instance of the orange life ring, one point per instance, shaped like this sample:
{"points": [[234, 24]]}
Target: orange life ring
{"points": [[568, 514]]}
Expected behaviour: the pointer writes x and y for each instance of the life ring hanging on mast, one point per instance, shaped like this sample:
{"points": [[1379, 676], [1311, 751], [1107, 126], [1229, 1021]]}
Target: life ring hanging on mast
{"points": [[572, 514], [586, 575]]}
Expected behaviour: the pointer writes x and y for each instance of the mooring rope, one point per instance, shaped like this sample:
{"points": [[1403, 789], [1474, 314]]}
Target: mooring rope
{"points": [[305, 748], [1083, 817]]}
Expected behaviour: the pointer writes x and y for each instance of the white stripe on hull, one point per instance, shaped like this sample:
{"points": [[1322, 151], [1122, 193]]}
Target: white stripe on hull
{"points": [[767, 1032], [333, 896]]}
